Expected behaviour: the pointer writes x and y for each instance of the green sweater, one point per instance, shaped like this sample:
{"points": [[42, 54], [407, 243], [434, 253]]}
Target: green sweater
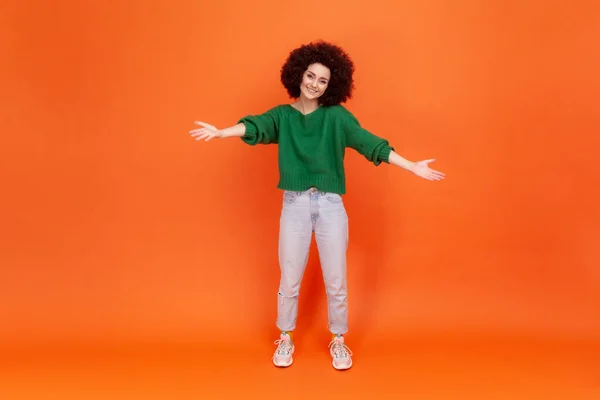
{"points": [[312, 147]]}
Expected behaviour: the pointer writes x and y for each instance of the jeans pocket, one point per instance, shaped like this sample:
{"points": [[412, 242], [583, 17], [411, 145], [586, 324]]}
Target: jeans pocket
{"points": [[333, 198], [289, 197]]}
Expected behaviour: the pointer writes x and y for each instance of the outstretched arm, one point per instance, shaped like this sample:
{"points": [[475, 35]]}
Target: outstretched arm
{"points": [[378, 150], [252, 129], [419, 168], [208, 131]]}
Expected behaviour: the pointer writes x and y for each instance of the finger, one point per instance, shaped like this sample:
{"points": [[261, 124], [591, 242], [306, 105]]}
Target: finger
{"points": [[429, 161], [197, 130], [204, 124]]}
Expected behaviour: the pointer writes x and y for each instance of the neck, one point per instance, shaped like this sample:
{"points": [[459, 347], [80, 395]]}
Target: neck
{"points": [[307, 106]]}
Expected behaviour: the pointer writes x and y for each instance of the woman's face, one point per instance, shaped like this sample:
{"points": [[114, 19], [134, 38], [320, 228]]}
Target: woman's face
{"points": [[315, 81]]}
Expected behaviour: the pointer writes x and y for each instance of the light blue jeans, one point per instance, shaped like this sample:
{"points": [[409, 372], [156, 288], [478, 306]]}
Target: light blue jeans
{"points": [[302, 214]]}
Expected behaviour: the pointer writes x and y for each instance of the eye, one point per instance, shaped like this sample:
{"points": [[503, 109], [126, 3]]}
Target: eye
{"points": [[323, 82]]}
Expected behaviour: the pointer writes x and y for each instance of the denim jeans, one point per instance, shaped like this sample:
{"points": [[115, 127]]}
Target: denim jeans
{"points": [[302, 214]]}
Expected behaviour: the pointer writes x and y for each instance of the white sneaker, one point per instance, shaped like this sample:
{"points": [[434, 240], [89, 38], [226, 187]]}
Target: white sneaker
{"points": [[340, 353], [285, 349]]}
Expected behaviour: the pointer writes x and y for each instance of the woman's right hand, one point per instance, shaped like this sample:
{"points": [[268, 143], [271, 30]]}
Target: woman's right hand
{"points": [[207, 132]]}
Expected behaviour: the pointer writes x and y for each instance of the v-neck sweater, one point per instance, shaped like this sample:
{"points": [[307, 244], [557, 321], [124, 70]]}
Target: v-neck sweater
{"points": [[311, 147]]}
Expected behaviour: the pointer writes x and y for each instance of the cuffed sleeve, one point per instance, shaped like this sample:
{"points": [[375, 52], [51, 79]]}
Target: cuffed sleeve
{"points": [[382, 153], [262, 128], [372, 147]]}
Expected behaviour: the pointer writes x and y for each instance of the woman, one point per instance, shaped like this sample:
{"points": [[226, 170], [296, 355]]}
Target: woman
{"points": [[312, 134]]}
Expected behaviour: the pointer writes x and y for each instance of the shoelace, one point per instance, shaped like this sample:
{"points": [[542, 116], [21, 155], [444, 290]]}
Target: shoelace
{"points": [[283, 346], [339, 350]]}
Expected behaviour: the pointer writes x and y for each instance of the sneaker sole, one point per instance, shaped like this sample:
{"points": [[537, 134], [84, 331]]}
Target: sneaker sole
{"points": [[283, 365], [342, 367]]}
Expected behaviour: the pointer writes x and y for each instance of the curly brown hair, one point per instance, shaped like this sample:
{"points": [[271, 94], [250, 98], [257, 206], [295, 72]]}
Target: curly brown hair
{"points": [[330, 55]]}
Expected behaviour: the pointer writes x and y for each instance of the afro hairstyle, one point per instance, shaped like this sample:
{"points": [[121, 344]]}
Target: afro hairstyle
{"points": [[330, 55]]}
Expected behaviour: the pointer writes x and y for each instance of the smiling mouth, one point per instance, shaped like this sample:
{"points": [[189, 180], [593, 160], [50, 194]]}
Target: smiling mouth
{"points": [[311, 90]]}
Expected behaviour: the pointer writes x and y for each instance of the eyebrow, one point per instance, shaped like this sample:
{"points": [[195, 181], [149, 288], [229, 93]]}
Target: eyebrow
{"points": [[316, 75]]}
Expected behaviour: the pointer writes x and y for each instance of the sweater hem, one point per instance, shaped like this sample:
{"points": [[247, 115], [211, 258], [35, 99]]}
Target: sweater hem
{"points": [[301, 183]]}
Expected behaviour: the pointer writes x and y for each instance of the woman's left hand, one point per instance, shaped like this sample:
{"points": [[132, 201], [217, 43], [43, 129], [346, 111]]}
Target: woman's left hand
{"points": [[421, 168]]}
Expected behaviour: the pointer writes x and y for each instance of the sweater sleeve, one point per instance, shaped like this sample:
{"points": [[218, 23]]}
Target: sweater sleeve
{"points": [[372, 147], [262, 128]]}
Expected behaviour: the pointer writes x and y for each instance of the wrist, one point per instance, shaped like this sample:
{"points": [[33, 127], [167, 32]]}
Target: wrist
{"points": [[232, 131]]}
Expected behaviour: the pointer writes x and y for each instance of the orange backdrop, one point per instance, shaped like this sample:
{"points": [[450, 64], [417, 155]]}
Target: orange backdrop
{"points": [[115, 224]]}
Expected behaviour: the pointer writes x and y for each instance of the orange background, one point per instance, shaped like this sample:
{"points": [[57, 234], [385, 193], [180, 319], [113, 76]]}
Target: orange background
{"points": [[117, 226]]}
